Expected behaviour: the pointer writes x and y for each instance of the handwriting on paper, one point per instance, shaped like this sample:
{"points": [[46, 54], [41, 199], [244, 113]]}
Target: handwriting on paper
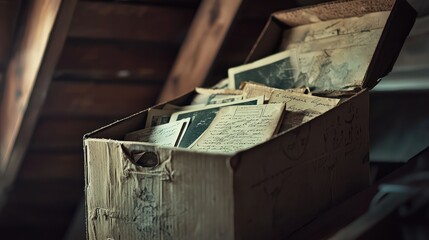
{"points": [[167, 135], [301, 108], [201, 118], [238, 127], [251, 89]]}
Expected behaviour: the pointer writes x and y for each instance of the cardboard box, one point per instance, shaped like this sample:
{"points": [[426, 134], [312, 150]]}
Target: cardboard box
{"points": [[142, 191]]}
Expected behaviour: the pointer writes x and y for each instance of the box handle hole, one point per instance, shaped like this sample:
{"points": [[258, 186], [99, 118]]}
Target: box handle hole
{"points": [[141, 158], [147, 159]]}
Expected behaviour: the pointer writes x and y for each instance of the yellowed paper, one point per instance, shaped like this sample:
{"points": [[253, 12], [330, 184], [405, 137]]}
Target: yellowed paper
{"points": [[254, 90], [207, 96], [166, 135], [219, 99], [239, 127], [331, 29], [301, 108], [201, 118], [198, 108], [218, 91], [207, 99], [335, 54], [157, 117]]}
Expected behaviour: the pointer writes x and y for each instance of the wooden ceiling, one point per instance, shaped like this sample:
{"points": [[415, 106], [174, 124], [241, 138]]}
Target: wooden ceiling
{"points": [[114, 60]]}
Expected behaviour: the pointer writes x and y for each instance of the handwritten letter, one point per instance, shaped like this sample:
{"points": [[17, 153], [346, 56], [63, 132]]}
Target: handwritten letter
{"points": [[167, 135], [238, 127], [301, 108], [251, 90], [201, 119]]}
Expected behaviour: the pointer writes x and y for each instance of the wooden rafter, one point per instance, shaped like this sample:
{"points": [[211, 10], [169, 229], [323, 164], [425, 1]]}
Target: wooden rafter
{"points": [[198, 52], [9, 12], [28, 76]]}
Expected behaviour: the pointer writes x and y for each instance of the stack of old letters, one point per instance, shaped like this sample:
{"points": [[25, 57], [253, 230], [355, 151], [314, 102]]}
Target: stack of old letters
{"points": [[307, 77]]}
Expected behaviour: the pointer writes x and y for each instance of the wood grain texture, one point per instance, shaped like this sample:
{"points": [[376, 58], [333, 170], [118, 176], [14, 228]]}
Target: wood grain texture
{"points": [[205, 37], [52, 166], [188, 3], [22, 72], [28, 77], [235, 49], [9, 11], [64, 134], [115, 59], [103, 20], [98, 100]]}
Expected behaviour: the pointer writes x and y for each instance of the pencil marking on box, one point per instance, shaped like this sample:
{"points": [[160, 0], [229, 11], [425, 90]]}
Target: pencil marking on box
{"points": [[295, 145], [281, 172], [150, 219]]}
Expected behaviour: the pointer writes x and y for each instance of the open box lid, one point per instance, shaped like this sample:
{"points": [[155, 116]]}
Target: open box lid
{"points": [[385, 51]]}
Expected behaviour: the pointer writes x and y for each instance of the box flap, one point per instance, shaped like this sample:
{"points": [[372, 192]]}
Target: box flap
{"points": [[385, 24]]}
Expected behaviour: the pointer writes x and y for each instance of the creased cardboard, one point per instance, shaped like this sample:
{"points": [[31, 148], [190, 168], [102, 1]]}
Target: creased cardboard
{"points": [[142, 191]]}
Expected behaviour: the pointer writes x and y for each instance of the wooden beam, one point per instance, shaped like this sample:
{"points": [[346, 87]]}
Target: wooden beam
{"points": [[205, 37], [52, 167], [28, 77], [107, 20], [107, 100], [63, 134], [9, 11], [115, 59]]}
